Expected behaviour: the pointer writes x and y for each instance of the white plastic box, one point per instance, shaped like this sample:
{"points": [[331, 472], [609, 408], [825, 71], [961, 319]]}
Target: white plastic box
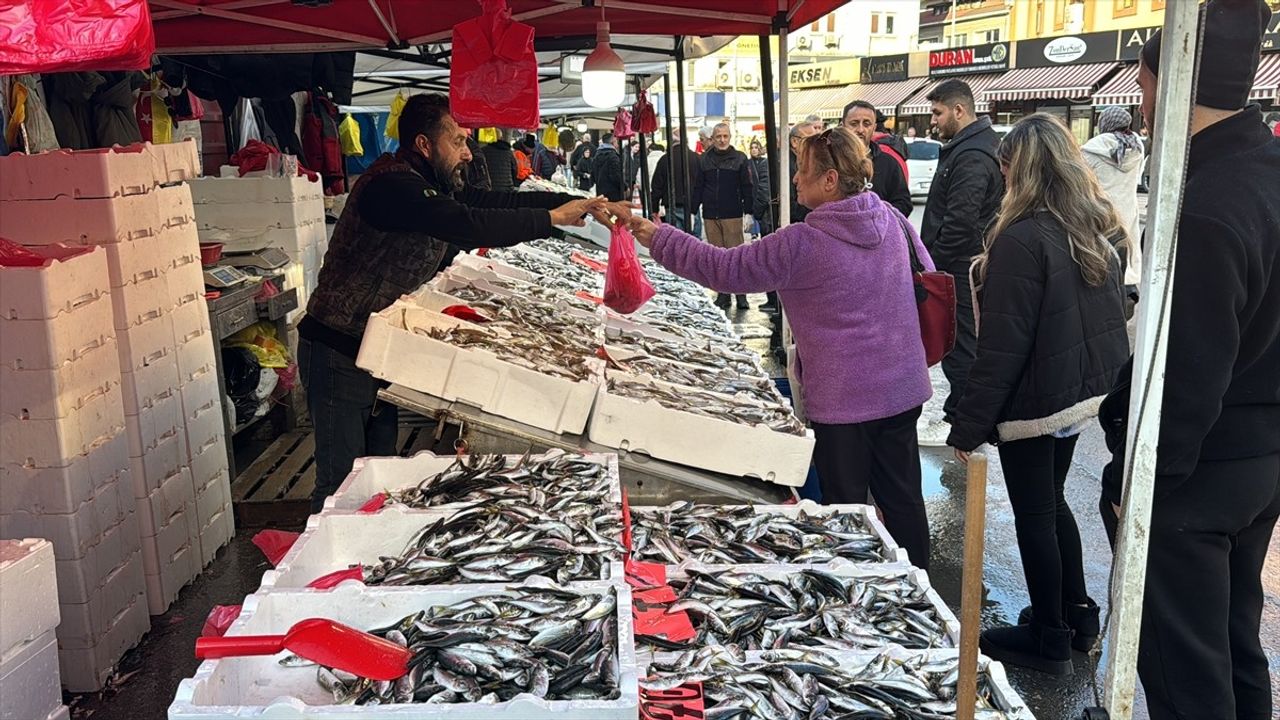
{"points": [[175, 496], [43, 344], [150, 471], [62, 489], [87, 669], [60, 392], [245, 190], [29, 686], [70, 278], [74, 533], [29, 580], [84, 625], [258, 687]]}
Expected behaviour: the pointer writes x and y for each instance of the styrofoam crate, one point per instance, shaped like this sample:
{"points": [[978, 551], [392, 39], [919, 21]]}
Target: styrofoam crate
{"points": [[164, 586], [52, 443], [64, 488], [62, 391], [204, 426], [79, 579], [71, 277], [259, 215], [150, 471], [251, 239], [135, 261], [29, 686], [181, 160], [215, 534], [371, 476], [196, 355], [45, 343], [393, 351], [147, 343], [213, 497], [29, 580], [87, 670], [198, 389], [176, 495], [646, 427], [97, 221], [98, 173], [237, 190], [209, 459], [139, 302], [259, 687], [189, 319], [186, 280], [155, 421], [85, 624], [181, 244], [73, 533], [141, 385]]}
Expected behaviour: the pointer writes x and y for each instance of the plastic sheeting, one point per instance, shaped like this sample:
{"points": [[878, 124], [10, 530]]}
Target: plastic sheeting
{"points": [[39, 36]]}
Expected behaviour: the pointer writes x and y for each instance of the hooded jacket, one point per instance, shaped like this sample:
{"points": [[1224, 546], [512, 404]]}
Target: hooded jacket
{"points": [[844, 275], [1120, 184], [502, 165], [964, 197], [606, 170], [661, 189], [726, 184], [545, 162]]}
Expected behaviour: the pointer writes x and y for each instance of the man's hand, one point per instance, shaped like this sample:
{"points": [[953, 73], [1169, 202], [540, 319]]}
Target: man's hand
{"points": [[962, 456], [642, 229], [571, 213]]}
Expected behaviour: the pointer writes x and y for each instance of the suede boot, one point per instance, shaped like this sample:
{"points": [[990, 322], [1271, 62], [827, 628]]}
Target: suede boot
{"points": [[1035, 646], [742, 302], [1082, 619], [723, 301]]}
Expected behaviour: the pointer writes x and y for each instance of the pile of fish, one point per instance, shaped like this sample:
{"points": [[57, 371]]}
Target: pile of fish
{"points": [[719, 535], [733, 408], [805, 607], [560, 272], [475, 478], [702, 352], [549, 353], [785, 684], [508, 539], [723, 381], [547, 642]]}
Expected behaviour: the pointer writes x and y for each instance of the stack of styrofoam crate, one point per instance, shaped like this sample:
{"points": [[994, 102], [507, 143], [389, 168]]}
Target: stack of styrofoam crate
{"points": [[29, 685], [64, 463], [256, 212]]}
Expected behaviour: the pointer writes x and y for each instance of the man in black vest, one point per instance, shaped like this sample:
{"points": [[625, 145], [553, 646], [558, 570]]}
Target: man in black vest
{"points": [[404, 214]]}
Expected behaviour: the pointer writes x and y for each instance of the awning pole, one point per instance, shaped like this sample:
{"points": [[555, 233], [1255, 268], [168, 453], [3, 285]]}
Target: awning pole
{"points": [[1172, 130], [784, 135], [644, 165], [771, 145], [670, 198], [684, 138]]}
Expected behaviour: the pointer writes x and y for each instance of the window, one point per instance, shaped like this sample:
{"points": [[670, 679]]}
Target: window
{"points": [[888, 24], [1039, 19], [1059, 14], [815, 27], [875, 23], [923, 150], [1124, 8], [991, 36], [959, 40], [1157, 4], [831, 22]]}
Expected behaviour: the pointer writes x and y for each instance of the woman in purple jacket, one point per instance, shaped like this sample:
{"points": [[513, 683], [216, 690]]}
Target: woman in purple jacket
{"points": [[844, 276]]}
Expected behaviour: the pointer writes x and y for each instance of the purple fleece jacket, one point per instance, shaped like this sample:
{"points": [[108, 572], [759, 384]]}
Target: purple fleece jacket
{"points": [[844, 277]]}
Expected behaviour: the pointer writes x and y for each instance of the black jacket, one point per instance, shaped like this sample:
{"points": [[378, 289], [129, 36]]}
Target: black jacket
{"points": [[606, 170], [1222, 374], [725, 191], [965, 195], [888, 182], [660, 188], [1050, 346], [762, 192], [502, 165]]}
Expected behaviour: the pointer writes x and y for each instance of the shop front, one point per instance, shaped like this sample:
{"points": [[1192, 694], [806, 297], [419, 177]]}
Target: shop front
{"points": [[886, 84], [981, 66], [820, 89]]}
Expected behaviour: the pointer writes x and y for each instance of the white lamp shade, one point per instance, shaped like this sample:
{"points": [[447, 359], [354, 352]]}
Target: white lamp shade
{"points": [[604, 88]]}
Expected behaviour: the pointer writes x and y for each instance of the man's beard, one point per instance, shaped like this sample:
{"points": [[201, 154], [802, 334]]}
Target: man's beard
{"points": [[451, 178]]}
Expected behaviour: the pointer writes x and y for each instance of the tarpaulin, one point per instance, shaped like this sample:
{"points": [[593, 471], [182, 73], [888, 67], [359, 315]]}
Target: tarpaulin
{"points": [[38, 36]]}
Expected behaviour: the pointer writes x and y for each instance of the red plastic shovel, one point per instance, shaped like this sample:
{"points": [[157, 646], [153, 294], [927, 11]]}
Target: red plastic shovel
{"points": [[321, 641]]}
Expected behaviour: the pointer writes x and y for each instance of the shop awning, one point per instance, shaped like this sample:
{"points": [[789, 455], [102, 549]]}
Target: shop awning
{"points": [[1069, 82], [827, 103], [1120, 90], [888, 96], [1266, 83], [979, 84]]}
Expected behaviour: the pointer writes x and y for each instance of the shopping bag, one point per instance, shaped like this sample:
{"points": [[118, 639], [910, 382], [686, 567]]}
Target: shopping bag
{"points": [[493, 77], [487, 135], [39, 36], [393, 116], [936, 305], [626, 288], [644, 119], [551, 137], [622, 124], [349, 136]]}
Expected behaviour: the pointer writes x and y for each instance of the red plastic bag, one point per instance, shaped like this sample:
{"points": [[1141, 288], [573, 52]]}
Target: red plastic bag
{"points": [[41, 36], [275, 544], [14, 255], [493, 80], [622, 124], [644, 119], [626, 287], [220, 618]]}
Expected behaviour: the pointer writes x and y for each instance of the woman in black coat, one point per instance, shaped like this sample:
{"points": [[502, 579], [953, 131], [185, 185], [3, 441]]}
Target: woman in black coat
{"points": [[1051, 341]]}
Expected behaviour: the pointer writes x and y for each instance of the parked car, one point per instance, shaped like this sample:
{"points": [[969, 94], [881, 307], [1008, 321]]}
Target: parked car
{"points": [[922, 162]]}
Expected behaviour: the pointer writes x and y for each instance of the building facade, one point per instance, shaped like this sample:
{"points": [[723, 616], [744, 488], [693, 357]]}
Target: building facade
{"points": [[961, 23]]}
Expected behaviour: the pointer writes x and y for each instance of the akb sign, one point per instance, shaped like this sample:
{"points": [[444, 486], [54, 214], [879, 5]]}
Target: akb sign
{"points": [[968, 60]]}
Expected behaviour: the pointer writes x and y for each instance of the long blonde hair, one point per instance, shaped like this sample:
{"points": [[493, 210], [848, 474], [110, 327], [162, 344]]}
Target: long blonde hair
{"points": [[1044, 171]]}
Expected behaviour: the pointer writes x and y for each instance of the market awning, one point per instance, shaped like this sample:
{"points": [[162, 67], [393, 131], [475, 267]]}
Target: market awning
{"points": [[1266, 83], [826, 103], [979, 84], [1120, 90], [1063, 82], [888, 96]]}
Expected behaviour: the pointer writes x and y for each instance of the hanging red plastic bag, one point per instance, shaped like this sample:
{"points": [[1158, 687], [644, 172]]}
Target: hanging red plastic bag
{"points": [[626, 287], [39, 36], [622, 124], [644, 119], [494, 76]]}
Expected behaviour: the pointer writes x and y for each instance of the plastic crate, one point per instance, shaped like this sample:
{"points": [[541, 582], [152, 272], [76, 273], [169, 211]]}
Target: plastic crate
{"points": [[71, 277], [28, 577], [84, 625], [62, 489], [79, 579], [74, 533]]}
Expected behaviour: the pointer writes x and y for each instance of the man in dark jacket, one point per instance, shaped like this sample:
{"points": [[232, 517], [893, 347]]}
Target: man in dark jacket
{"points": [[403, 215], [671, 195], [887, 179], [1217, 484], [584, 147], [799, 132], [606, 169], [965, 195], [502, 164], [545, 161], [725, 196]]}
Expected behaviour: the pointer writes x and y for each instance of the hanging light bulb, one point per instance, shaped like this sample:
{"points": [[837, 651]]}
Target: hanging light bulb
{"points": [[604, 76]]}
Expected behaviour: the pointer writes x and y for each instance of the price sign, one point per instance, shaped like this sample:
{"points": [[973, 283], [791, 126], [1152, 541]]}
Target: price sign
{"points": [[682, 703]]}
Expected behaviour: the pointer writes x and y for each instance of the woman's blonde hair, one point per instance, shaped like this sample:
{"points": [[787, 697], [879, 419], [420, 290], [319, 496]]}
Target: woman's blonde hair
{"points": [[1044, 171], [840, 150]]}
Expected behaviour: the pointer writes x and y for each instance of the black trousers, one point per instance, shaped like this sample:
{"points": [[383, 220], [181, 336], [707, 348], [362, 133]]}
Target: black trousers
{"points": [[1035, 473], [882, 456], [1200, 655], [957, 362]]}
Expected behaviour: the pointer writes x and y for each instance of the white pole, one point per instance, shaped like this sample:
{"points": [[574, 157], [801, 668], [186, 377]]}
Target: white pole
{"points": [[1178, 61], [784, 139]]}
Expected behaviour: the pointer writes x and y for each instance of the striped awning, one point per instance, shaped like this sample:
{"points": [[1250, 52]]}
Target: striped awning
{"points": [[1120, 90], [824, 102], [1063, 82], [979, 84], [889, 95], [1266, 83]]}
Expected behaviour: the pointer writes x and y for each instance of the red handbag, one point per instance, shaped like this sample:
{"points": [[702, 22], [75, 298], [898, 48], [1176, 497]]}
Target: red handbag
{"points": [[936, 304]]}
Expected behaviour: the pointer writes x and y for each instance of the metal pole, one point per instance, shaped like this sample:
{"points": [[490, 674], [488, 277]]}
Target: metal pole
{"points": [[1172, 130], [670, 199], [784, 136], [644, 166], [771, 146], [684, 138]]}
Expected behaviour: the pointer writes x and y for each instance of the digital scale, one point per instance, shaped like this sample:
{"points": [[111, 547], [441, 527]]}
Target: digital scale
{"points": [[232, 270], [224, 276]]}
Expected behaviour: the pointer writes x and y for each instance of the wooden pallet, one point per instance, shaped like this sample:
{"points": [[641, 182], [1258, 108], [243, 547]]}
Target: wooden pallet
{"points": [[276, 489]]}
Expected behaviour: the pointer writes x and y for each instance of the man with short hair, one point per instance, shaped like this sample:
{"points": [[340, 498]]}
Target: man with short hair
{"points": [[817, 123], [606, 169], [798, 133], [887, 179], [404, 214], [1217, 484], [725, 196], [963, 199]]}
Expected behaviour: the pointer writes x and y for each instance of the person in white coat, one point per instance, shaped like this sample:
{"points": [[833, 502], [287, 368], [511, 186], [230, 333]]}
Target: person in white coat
{"points": [[1115, 154]]}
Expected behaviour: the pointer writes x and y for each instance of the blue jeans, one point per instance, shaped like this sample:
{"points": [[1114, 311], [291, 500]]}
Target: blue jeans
{"points": [[676, 217], [341, 400]]}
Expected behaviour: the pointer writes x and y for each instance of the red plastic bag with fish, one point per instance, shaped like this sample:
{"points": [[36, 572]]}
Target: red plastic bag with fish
{"points": [[493, 78], [626, 287], [40, 36]]}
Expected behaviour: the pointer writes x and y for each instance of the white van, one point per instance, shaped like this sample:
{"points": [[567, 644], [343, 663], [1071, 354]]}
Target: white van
{"points": [[922, 162]]}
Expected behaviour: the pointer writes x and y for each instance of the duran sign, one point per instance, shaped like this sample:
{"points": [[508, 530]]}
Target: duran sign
{"points": [[885, 68], [1068, 50], [969, 60]]}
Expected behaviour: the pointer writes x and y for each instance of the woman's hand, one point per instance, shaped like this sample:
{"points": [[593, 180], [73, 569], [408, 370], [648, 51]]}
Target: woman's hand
{"points": [[642, 229], [571, 212], [962, 455]]}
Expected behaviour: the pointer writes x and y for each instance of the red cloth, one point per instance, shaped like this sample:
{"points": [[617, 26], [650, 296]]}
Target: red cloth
{"points": [[906, 174], [253, 157]]}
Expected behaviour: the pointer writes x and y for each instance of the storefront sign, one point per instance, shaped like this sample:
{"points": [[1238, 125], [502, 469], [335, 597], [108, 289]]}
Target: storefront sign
{"points": [[1131, 41], [1271, 39], [885, 68], [1068, 50], [969, 60], [837, 72]]}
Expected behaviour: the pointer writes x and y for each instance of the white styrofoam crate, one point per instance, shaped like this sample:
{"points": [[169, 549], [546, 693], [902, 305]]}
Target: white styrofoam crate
{"points": [[209, 459], [135, 261], [142, 301], [203, 426], [105, 221], [73, 533], [146, 343], [190, 317], [187, 283], [59, 713], [259, 687], [182, 162], [100, 173], [215, 534], [64, 488], [181, 243], [393, 351], [29, 580], [260, 215], [371, 476], [152, 469], [29, 686], [246, 190], [159, 418], [212, 497], [87, 669], [79, 579], [46, 343], [251, 239], [198, 389], [53, 443], [85, 624], [60, 392], [157, 378], [176, 495], [169, 561], [646, 427], [71, 277], [196, 356]]}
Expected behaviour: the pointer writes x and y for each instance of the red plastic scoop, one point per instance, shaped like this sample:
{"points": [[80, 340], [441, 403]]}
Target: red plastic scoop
{"points": [[321, 641]]}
